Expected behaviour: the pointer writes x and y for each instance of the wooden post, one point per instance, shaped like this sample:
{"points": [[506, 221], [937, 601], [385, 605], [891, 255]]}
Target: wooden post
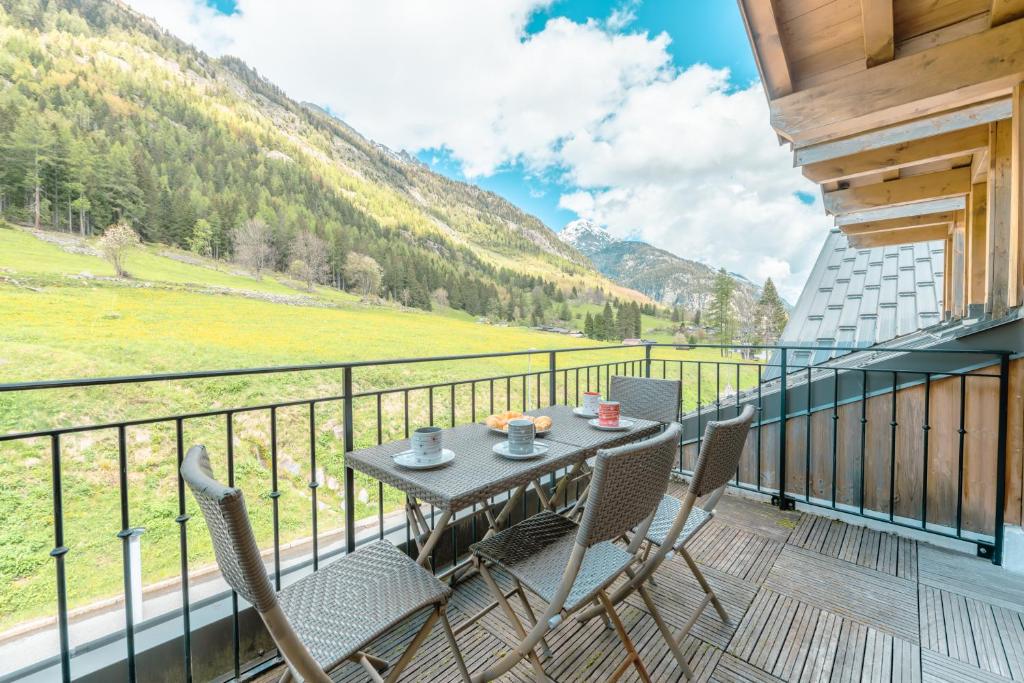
{"points": [[977, 247], [958, 281], [1000, 186], [1015, 286]]}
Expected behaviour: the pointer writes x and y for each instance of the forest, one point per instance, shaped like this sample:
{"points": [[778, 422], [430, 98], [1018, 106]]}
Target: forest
{"points": [[110, 120]]}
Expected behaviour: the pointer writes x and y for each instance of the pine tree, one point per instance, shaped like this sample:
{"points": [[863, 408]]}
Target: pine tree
{"points": [[771, 313], [588, 326], [722, 318], [608, 322]]}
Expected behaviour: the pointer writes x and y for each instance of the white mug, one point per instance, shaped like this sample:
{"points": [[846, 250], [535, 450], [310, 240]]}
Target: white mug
{"points": [[426, 444], [591, 400]]}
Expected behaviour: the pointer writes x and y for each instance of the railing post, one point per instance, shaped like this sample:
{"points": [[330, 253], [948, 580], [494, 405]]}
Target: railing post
{"points": [[350, 477], [551, 379], [1004, 401], [781, 500], [647, 360]]}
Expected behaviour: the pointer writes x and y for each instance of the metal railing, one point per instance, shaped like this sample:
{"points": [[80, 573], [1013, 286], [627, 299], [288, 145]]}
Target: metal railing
{"points": [[383, 413]]}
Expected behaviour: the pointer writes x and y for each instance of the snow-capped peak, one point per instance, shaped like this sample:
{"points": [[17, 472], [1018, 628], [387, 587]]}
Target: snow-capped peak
{"points": [[586, 235]]}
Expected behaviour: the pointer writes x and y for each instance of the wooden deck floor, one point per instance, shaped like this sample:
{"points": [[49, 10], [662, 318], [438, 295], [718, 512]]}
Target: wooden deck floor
{"points": [[811, 599]]}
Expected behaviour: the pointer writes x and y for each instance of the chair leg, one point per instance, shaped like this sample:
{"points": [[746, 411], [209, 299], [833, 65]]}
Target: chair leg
{"points": [[286, 677], [632, 656], [510, 614], [545, 648], [453, 643], [410, 651], [704, 584], [666, 633]]}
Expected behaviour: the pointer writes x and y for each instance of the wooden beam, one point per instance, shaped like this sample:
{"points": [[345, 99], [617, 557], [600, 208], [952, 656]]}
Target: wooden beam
{"points": [[888, 239], [919, 221], [770, 56], [1015, 287], [936, 148], [958, 284], [977, 244], [1003, 11], [972, 69], [1000, 189], [902, 211], [903, 191], [958, 119], [979, 165], [876, 18]]}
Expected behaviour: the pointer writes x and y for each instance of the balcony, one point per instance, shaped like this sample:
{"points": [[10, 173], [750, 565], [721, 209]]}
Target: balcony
{"points": [[896, 448]]}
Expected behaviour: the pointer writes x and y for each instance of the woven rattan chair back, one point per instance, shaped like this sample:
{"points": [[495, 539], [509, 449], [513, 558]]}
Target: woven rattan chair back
{"points": [[627, 486], [720, 452], [646, 398], [234, 544]]}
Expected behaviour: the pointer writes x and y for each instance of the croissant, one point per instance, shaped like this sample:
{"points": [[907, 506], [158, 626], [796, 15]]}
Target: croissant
{"points": [[542, 423]]}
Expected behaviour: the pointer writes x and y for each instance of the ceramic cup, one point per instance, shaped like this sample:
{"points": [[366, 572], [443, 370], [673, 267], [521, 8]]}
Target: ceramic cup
{"points": [[520, 437], [426, 445], [591, 401], [608, 413]]}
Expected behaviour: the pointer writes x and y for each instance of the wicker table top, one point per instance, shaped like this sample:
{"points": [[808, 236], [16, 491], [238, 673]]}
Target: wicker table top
{"points": [[570, 429], [477, 472]]}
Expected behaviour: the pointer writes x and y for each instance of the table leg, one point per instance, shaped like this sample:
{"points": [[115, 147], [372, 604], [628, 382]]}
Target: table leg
{"points": [[428, 546]]}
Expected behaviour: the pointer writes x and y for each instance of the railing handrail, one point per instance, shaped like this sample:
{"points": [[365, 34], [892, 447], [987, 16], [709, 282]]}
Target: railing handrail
{"points": [[341, 365]]}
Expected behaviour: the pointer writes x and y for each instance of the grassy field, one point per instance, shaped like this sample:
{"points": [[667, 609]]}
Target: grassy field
{"points": [[64, 316]]}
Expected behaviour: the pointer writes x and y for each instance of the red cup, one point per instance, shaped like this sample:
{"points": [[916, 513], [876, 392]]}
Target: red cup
{"points": [[608, 413]]}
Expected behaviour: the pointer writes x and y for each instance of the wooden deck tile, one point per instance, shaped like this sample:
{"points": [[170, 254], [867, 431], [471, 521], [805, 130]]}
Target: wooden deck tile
{"points": [[873, 598], [937, 668], [988, 637], [970, 576], [794, 641], [868, 548], [743, 554]]}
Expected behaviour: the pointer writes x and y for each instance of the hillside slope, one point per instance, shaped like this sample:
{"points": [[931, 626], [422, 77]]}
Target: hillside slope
{"points": [[664, 277], [105, 116]]}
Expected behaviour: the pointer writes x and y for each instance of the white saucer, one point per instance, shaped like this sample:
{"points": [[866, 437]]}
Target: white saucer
{"points": [[407, 459], [580, 412], [501, 448], [504, 433], [625, 424]]}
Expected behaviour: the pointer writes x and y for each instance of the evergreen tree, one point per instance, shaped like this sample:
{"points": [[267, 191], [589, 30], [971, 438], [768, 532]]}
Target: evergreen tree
{"points": [[722, 318], [607, 327], [588, 326], [771, 313]]}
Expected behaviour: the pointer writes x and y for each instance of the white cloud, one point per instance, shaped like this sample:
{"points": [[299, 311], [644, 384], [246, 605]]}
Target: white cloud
{"points": [[671, 156]]}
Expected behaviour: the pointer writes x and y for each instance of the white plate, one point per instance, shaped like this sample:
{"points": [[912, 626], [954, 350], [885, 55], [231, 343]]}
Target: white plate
{"points": [[501, 448], [625, 424], [407, 459], [580, 412], [504, 433]]}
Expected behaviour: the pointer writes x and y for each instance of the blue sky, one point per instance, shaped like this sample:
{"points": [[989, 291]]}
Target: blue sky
{"points": [[708, 32]]}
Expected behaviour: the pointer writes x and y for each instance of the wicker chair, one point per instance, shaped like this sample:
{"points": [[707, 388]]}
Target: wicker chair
{"points": [[570, 565], [328, 617], [677, 521], [647, 398]]}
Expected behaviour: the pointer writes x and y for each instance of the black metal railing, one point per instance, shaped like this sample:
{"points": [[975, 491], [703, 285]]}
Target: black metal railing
{"points": [[802, 407]]}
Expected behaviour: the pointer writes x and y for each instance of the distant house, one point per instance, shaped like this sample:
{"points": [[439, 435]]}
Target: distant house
{"points": [[632, 341]]}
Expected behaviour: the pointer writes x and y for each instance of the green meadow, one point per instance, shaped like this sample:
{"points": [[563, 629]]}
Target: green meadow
{"points": [[64, 315]]}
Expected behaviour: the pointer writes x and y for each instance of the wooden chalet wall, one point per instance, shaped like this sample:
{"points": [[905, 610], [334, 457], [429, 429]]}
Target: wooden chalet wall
{"points": [[980, 439]]}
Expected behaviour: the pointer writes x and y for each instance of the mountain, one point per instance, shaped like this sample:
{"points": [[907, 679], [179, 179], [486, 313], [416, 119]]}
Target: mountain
{"points": [[661, 275], [106, 117]]}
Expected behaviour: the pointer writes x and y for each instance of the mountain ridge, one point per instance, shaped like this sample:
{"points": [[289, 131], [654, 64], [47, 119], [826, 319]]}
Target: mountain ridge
{"points": [[666, 278]]}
